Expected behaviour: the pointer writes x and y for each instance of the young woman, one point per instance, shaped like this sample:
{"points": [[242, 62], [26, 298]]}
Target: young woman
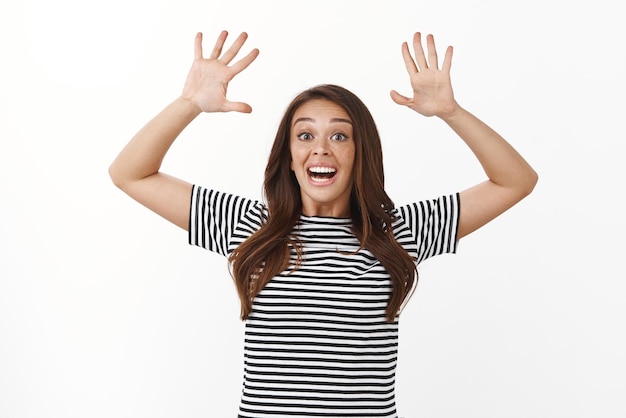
{"points": [[325, 263]]}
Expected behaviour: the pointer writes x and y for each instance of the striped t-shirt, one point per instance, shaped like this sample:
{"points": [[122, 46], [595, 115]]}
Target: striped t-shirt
{"points": [[317, 343]]}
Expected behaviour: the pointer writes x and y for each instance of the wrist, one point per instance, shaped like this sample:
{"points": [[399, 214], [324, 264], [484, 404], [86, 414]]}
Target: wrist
{"points": [[188, 106], [449, 115]]}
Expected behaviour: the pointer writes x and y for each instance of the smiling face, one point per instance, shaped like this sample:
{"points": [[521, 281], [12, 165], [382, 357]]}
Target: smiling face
{"points": [[322, 156]]}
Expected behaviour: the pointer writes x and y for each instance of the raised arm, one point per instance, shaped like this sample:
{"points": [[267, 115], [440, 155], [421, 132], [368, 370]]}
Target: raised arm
{"points": [[510, 177], [136, 168]]}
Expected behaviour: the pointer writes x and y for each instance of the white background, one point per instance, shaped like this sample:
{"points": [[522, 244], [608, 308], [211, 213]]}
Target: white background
{"points": [[105, 311]]}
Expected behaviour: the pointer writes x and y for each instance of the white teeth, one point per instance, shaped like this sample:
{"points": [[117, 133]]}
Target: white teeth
{"points": [[322, 170], [319, 180]]}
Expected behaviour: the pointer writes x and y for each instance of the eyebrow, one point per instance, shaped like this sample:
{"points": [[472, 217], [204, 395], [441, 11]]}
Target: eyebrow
{"points": [[333, 120]]}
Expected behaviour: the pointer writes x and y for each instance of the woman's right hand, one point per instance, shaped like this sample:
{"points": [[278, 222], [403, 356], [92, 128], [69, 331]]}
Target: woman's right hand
{"points": [[208, 78]]}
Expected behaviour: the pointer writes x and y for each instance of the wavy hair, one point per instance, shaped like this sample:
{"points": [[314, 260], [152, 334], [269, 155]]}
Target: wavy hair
{"points": [[267, 252]]}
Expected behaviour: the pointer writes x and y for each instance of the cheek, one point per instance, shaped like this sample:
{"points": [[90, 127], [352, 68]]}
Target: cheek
{"points": [[291, 156], [348, 156], [296, 158]]}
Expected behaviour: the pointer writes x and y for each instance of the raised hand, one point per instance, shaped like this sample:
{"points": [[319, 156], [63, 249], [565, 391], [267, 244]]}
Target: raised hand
{"points": [[432, 88], [208, 78]]}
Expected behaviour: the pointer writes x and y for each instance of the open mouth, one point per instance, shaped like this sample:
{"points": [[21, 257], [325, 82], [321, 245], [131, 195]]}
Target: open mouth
{"points": [[321, 174]]}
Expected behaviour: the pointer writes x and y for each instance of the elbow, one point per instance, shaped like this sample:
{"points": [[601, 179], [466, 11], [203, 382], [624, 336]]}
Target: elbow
{"points": [[535, 179], [116, 176], [522, 185], [113, 175], [530, 181]]}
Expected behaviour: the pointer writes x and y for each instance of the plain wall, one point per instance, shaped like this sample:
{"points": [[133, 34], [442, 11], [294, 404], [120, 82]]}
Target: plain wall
{"points": [[106, 311]]}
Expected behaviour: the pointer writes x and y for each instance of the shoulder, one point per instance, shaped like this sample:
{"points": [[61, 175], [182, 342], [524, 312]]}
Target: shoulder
{"points": [[444, 206], [218, 199], [225, 208]]}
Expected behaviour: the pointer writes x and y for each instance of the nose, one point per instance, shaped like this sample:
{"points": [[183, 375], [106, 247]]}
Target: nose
{"points": [[321, 148]]}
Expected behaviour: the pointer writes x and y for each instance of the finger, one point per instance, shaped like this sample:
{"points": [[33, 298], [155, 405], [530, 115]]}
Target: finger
{"points": [[243, 63], [237, 107], [400, 99], [432, 52], [420, 58], [219, 44], [408, 59], [234, 49], [447, 60], [198, 46]]}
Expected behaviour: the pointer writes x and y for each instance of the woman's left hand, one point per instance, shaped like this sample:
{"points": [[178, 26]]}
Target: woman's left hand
{"points": [[432, 88]]}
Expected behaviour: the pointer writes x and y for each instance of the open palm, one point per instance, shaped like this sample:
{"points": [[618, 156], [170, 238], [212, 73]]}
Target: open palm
{"points": [[208, 78], [432, 88]]}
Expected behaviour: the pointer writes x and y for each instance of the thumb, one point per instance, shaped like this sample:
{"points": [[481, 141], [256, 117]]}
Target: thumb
{"points": [[237, 107], [400, 99]]}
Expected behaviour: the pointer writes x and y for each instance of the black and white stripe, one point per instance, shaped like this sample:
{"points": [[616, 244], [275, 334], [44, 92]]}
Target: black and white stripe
{"points": [[317, 343]]}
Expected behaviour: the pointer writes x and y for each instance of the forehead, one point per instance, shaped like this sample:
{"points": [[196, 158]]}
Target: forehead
{"points": [[320, 110]]}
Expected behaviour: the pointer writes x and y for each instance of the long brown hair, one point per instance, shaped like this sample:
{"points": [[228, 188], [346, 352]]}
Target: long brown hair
{"points": [[267, 252]]}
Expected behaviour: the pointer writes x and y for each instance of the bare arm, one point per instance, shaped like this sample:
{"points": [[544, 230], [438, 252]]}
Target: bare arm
{"points": [[136, 168], [510, 177]]}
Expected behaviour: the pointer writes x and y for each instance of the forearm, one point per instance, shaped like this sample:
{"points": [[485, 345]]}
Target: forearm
{"points": [[501, 162], [143, 155]]}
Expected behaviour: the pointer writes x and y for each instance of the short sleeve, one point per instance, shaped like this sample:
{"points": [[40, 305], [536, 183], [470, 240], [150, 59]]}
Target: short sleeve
{"points": [[432, 225], [214, 218]]}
